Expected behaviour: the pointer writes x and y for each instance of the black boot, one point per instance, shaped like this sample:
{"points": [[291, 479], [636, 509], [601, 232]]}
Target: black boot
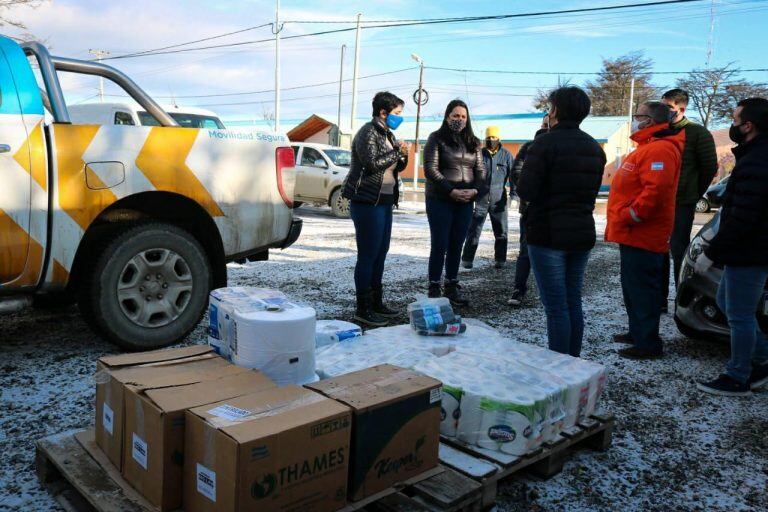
{"points": [[378, 304], [434, 290], [365, 313], [453, 293]]}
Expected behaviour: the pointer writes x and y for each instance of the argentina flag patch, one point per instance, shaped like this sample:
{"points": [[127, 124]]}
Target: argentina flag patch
{"points": [[657, 166]]}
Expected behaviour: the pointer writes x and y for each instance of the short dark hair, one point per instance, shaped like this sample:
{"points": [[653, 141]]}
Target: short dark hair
{"points": [[755, 110], [658, 111], [571, 102], [678, 96], [385, 100]]}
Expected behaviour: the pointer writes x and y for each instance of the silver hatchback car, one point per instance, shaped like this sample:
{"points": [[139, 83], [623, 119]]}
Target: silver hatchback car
{"points": [[696, 312]]}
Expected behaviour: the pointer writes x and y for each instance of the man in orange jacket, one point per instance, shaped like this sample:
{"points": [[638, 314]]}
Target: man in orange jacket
{"points": [[641, 215]]}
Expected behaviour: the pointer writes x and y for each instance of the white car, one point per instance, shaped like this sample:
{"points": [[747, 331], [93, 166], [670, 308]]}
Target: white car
{"points": [[320, 173], [132, 114]]}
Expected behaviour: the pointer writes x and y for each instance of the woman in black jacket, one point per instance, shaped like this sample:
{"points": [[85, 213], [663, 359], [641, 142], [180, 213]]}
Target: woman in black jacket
{"points": [[560, 180], [372, 188], [453, 166]]}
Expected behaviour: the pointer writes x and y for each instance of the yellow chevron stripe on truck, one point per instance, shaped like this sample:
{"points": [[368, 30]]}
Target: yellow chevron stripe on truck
{"points": [[13, 242], [163, 161], [31, 156], [81, 203]]}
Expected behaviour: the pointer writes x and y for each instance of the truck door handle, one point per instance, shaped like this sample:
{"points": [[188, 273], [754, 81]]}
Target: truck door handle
{"points": [[5, 148]]}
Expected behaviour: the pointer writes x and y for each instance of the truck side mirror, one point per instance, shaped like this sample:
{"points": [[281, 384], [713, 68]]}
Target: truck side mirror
{"points": [[321, 163]]}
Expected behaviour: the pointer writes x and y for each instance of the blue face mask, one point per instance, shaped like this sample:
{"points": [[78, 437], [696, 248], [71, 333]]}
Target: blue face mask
{"points": [[393, 121]]}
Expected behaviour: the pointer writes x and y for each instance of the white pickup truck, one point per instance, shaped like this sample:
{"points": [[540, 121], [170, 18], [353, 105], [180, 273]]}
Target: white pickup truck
{"points": [[135, 223], [133, 114]]}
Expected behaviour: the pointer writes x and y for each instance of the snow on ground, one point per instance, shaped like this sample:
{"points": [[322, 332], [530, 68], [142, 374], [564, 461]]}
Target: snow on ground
{"points": [[674, 448]]}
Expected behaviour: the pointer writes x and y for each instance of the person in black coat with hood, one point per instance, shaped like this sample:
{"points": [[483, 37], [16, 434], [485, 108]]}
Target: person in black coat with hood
{"points": [[453, 166], [741, 246], [372, 188], [560, 180]]}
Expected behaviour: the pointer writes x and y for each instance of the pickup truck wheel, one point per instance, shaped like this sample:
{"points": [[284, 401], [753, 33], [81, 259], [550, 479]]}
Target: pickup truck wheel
{"points": [[339, 205], [149, 287]]}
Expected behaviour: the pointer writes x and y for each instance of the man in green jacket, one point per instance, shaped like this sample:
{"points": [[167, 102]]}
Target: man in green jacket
{"points": [[698, 168]]}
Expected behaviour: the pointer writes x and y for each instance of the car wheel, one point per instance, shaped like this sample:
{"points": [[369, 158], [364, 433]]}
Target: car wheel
{"points": [[702, 206], [690, 332], [339, 205], [148, 287]]}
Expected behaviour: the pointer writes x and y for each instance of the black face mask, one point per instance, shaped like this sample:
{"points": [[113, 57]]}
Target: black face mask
{"points": [[735, 134], [491, 144]]}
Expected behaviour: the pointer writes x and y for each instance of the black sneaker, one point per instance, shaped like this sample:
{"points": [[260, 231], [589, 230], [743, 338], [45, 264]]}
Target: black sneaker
{"points": [[466, 264], [364, 313], [379, 307], [434, 290], [516, 299], [759, 376], [640, 353], [624, 337], [724, 386]]}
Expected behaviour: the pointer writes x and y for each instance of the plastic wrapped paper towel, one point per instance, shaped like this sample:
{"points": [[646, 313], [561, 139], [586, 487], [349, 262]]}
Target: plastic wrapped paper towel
{"points": [[434, 317], [328, 332], [266, 331]]}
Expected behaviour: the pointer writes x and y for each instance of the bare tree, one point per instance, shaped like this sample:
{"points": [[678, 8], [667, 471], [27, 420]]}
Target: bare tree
{"points": [[611, 90], [715, 92], [541, 99], [8, 5]]}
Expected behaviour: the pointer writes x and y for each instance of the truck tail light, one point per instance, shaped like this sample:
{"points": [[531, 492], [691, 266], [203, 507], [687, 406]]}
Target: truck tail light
{"points": [[284, 158]]}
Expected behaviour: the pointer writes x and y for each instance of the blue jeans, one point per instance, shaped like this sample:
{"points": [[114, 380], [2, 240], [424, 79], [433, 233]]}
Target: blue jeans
{"points": [[559, 276], [448, 227], [739, 296], [373, 231], [641, 284], [523, 264]]}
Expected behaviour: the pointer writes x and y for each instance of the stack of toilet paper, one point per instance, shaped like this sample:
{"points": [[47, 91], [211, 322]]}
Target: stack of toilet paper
{"points": [[513, 412]]}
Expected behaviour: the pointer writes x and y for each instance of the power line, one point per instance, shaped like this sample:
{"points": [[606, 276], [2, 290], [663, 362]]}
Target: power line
{"points": [[219, 36], [305, 86], [433, 21], [585, 73]]}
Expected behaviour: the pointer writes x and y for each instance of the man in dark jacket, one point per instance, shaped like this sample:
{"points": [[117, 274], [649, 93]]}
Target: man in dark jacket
{"points": [[560, 180], [698, 168], [498, 165], [741, 246], [523, 263]]}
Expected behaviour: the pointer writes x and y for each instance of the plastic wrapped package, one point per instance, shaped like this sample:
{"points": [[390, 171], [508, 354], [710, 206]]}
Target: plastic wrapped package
{"points": [[328, 332], [268, 332], [497, 414], [434, 317]]}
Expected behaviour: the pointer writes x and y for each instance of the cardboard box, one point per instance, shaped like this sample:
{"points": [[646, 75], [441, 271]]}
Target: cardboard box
{"points": [[286, 449], [395, 428], [154, 426], [109, 392]]}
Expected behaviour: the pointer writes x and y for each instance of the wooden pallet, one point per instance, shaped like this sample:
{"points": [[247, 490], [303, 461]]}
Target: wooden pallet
{"points": [[81, 478], [488, 467]]}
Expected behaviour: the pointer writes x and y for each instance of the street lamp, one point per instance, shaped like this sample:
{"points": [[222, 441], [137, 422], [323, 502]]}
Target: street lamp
{"points": [[418, 99]]}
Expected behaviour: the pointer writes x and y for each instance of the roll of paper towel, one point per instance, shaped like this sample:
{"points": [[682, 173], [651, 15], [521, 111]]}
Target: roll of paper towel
{"points": [[280, 342], [450, 410]]}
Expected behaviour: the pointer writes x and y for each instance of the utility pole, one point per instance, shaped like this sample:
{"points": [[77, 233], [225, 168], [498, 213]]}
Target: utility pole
{"points": [[341, 82], [417, 149], [631, 106], [276, 30], [354, 74], [100, 54], [710, 41]]}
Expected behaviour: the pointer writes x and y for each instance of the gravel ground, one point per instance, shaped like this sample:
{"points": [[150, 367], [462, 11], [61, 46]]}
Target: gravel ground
{"points": [[674, 448]]}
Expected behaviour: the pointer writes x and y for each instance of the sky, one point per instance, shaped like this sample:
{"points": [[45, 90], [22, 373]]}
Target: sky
{"points": [[676, 37]]}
